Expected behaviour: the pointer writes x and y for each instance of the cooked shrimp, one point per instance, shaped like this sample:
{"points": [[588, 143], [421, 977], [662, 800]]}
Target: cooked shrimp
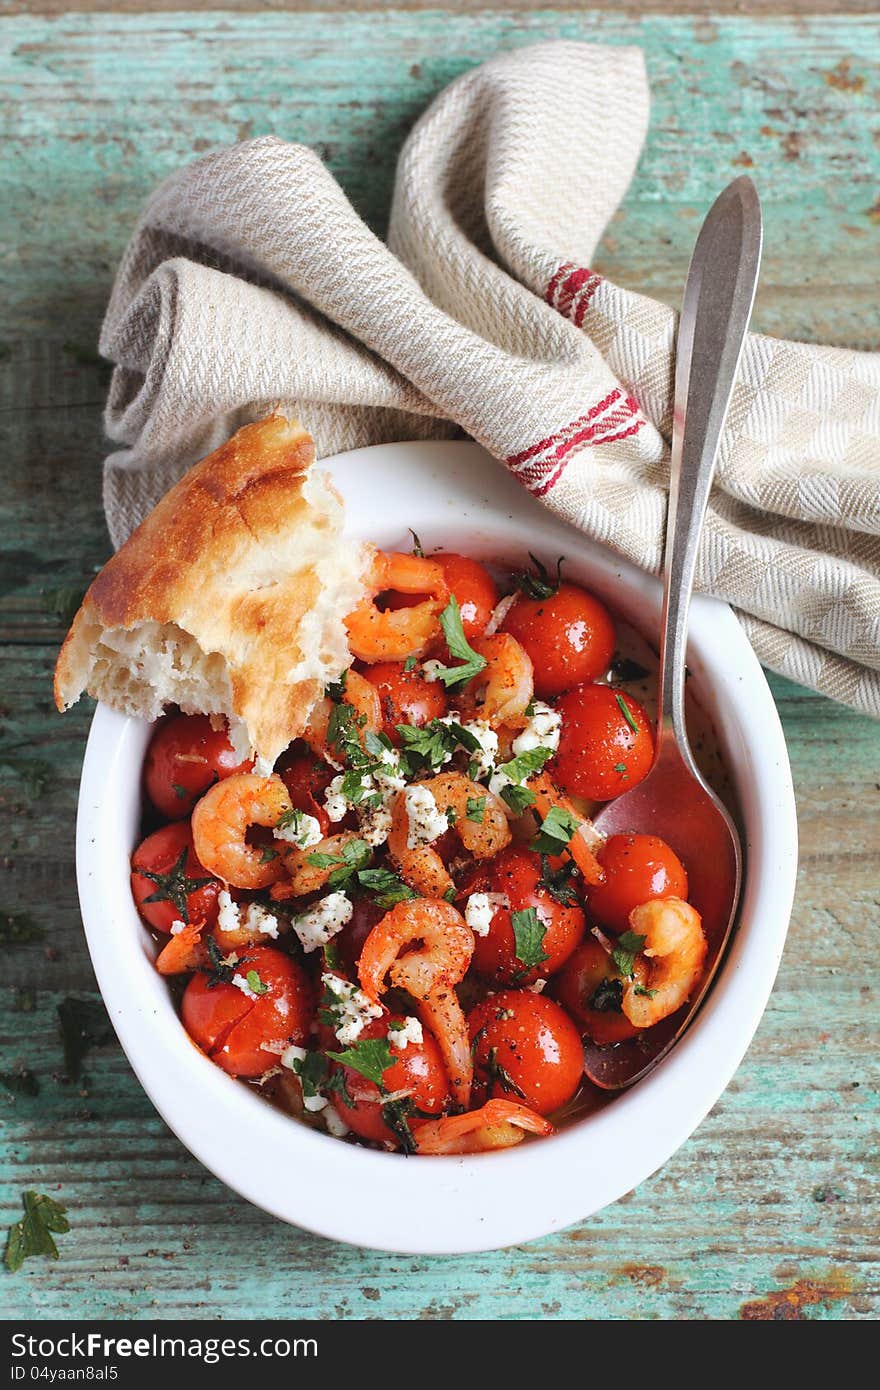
{"points": [[183, 951], [421, 866], [670, 962], [442, 1014], [395, 634], [305, 874], [421, 946], [364, 700], [220, 823], [502, 691], [585, 840], [496, 1125]]}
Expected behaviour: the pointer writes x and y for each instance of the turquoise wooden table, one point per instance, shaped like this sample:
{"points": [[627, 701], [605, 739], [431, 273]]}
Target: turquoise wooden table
{"points": [[771, 1209]]}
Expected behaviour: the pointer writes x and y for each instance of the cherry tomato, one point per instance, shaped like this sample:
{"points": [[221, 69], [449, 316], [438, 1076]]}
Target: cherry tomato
{"points": [[526, 1048], [569, 636], [473, 586], [165, 868], [516, 873], [232, 1026], [637, 868], [589, 988], [186, 757], [418, 1069], [600, 753], [405, 696], [348, 944], [306, 779]]}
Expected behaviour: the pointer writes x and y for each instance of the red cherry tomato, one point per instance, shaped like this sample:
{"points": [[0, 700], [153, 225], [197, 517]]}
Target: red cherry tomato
{"points": [[516, 873], [472, 585], [418, 1069], [405, 696], [186, 757], [569, 636], [306, 779], [526, 1048], [637, 868], [164, 867], [231, 1026], [600, 753], [590, 989]]}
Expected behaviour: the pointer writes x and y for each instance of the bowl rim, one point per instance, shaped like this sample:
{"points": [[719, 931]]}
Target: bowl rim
{"points": [[463, 1204]]}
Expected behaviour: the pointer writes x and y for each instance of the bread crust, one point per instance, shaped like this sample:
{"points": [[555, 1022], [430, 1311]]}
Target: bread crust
{"points": [[236, 556]]}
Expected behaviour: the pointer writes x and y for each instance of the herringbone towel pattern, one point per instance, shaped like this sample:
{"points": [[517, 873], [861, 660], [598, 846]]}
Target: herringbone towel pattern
{"points": [[250, 282]]}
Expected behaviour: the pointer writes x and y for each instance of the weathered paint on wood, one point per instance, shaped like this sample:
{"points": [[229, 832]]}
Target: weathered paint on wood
{"points": [[770, 1210]]}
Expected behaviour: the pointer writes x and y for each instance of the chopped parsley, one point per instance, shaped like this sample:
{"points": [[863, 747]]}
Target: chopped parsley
{"points": [[625, 711], [180, 792], [312, 1071], [472, 662], [268, 854], [369, 1056], [396, 1114], [386, 887], [537, 583], [526, 764], [607, 997], [352, 857], [528, 934], [335, 691], [557, 882], [290, 819], [625, 951], [519, 799], [32, 1235], [555, 831], [476, 809], [410, 664], [174, 886], [255, 984]]}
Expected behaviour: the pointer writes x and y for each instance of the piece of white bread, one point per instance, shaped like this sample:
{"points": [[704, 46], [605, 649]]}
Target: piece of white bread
{"points": [[230, 597]]}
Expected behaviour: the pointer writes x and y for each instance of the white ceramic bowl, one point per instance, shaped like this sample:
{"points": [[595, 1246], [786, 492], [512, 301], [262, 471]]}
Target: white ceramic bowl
{"points": [[455, 495]]}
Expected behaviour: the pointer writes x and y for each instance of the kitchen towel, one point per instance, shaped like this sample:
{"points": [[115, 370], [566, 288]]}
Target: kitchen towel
{"points": [[251, 283]]}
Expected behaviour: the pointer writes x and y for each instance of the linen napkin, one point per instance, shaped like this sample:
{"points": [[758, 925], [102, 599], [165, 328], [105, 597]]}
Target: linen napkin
{"points": [[250, 282]]}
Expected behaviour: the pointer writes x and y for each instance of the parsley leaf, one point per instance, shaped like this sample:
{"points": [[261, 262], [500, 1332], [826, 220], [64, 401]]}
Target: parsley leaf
{"points": [[476, 809], [387, 888], [556, 830], [312, 1072], [625, 951], [473, 663], [410, 664], [180, 792], [32, 1235], [268, 854], [519, 799], [353, 856], [426, 748], [556, 882], [369, 1056], [84, 1024], [526, 764], [335, 691], [626, 712], [254, 983], [607, 997], [528, 934], [537, 583], [291, 818]]}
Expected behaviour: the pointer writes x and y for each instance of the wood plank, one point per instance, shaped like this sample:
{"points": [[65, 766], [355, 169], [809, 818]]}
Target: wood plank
{"points": [[777, 1190]]}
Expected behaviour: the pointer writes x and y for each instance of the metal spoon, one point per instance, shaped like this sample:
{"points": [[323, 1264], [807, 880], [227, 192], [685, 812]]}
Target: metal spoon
{"points": [[673, 801]]}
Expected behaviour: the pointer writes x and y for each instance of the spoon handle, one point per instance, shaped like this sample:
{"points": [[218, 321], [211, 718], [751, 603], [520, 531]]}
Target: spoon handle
{"points": [[715, 312]]}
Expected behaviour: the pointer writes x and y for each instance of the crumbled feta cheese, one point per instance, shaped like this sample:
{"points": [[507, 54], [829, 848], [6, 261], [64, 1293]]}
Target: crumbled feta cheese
{"points": [[321, 923], [255, 920], [375, 824], [388, 775], [276, 1046], [542, 730], [241, 983], [303, 831], [315, 1103], [236, 732], [177, 927], [488, 741], [538, 987], [263, 767], [335, 1123], [352, 1008], [431, 670], [335, 803], [480, 909], [409, 1032], [426, 821], [292, 1054]]}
